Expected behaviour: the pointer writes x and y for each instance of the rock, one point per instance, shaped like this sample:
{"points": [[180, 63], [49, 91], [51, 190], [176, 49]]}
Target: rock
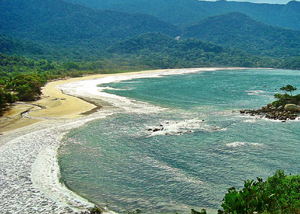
{"points": [[291, 107], [280, 108], [158, 129]]}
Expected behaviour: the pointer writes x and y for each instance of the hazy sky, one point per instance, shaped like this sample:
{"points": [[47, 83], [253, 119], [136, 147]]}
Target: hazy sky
{"points": [[268, 1], [265, 1]]}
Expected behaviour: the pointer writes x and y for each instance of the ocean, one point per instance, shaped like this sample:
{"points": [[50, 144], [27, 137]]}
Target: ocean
{"points": [[178, 142]]}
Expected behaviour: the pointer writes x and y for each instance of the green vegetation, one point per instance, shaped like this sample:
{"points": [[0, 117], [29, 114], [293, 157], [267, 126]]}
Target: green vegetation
{"points": [[61, 40], [159, 51], [278, 194], [237, 30], [280, 15], [288, 88], [283, 99], [21, 78], [73, 32]]}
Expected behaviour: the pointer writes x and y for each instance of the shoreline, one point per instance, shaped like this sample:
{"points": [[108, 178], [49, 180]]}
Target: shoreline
{"points": [[55, 104], [29, 146]]}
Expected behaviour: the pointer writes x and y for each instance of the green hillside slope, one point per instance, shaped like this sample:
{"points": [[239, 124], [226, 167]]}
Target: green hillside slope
{"points": [[186, 12], [239, 31], [9, 45], [56, 22], [157, 50]]}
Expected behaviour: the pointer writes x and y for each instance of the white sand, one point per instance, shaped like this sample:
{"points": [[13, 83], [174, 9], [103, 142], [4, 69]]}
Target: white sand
{"points": [[29, 170]]}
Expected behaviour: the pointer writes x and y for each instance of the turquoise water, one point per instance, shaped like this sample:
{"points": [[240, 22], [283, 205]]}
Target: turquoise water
{"points": [[205, 146]]}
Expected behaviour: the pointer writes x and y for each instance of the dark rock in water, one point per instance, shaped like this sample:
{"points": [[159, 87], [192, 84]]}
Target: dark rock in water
{"points": [[158, 129], [150, 130], [271, 112]]}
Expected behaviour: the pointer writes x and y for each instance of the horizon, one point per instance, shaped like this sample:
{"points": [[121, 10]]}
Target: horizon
{"points": [[259, 1]]}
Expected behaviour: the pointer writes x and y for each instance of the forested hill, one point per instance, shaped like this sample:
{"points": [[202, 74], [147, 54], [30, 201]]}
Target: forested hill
{"points": [[186, 12], [160, 51], [63, 31], [57, 23], [237, 30], [13, 46]]}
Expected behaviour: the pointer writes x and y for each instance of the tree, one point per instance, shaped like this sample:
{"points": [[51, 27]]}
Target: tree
{"points": [[288, 88], [5, 97], [278, 194], [28, 87]]}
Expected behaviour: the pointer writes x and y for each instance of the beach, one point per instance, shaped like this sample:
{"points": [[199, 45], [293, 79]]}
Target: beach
{"points": [[29, 169]]}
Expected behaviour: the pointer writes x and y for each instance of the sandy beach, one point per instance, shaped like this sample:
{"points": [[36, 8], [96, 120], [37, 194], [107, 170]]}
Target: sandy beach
{"points": [[31, 134]]}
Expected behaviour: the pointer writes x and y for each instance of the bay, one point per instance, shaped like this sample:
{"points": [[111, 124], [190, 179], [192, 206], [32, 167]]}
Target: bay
{"points": [[203, 146]]}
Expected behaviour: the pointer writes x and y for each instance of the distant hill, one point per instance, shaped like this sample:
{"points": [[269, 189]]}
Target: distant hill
{"points": [[178, 12], [9, 45], [157, 50], [186, 12], [58, 23], [237, 30]]}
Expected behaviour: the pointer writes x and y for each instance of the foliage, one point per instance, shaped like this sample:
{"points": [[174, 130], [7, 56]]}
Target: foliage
{"points": [[9, 45], [65, 27], [291, 63], [278, 194], [27, 87], [283, 99], [288, 88], [160, 51], [237, 30], [5, 97], [186, 12]]}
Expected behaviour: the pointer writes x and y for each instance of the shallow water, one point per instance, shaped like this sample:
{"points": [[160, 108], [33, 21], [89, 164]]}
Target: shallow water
{"points": [[204, 145]]}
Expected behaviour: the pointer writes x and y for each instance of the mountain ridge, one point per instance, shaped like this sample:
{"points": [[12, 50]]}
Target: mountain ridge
{"points": [[58, 22], [187, 12], [237, 30]]}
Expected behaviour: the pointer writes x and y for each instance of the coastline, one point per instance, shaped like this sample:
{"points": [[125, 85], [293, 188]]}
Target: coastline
{"points": [[55, 104], [28, 146]]}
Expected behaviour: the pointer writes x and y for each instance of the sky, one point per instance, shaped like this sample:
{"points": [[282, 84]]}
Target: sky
{"points": [[267, 1], [264, 1]]}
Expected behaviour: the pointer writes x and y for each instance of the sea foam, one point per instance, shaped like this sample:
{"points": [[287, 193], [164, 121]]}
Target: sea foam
{"points": [[92, 89], [29, 169], [241, 144], [30, 172]]}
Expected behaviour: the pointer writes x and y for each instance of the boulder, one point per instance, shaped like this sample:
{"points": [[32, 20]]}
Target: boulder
{"points": [[280, 108], [291, 107]]}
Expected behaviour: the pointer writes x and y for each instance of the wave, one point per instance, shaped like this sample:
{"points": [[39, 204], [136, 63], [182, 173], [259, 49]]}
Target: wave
{"points": [[182, 127], [29, 167], [260, 93], [92, 89], [30, 174], [241, 144]]}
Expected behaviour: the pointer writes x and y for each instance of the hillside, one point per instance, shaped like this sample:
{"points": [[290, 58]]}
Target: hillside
{"points": [[9, 45], [236, 30], [58, 24], [186, 12], [60, 31], [160, 51]]}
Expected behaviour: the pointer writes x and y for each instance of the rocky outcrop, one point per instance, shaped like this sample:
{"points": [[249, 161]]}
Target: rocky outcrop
{"points": [[288, 112], [291, 107]]}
